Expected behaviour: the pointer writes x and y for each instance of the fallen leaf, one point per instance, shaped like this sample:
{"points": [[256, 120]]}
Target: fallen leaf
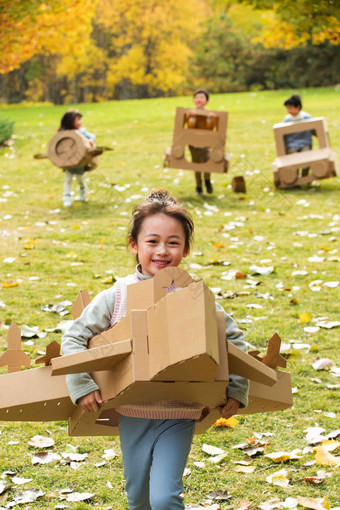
{"points": [[199, 465], [284, 456], [315, 503], [330, 445], [245, 469], [10, 283], [109, 454], [28, 496], [270, 504], [324, 458], [41, 442], [218, 245], [211, 450], [261, 270], [305, 317], [44, 457], [322, 364], [80, 496], [219, 495], [17, 480], [279, 478], [230, 422]]}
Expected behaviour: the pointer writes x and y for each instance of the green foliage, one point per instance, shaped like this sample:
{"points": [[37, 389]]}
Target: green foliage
{"points": [[226, 60], [6, 130]]}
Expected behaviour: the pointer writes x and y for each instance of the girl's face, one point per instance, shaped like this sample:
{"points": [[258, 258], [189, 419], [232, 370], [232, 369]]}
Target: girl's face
{"points": [[77, 122], [160, 243]]}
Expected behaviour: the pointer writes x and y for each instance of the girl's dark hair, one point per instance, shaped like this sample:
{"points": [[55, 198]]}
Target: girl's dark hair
{"points": [[67, 121], [159, 201], [294, 100]]}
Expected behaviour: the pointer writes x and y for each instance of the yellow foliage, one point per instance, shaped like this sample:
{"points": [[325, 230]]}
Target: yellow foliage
{"points": [[61, 27]]}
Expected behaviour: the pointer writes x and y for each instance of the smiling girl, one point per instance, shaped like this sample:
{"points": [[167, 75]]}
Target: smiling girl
{"points": [[155, 437]]}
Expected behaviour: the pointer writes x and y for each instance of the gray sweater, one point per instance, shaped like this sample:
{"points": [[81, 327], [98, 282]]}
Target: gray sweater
{"points": [[96, 318]]}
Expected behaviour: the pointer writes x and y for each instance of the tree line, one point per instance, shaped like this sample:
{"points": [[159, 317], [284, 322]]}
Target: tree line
{"points": [[72, 51]]}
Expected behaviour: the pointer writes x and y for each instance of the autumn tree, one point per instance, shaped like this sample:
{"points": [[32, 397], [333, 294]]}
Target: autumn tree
{"points": [[148, 43], [30, 27], [298, 23]]}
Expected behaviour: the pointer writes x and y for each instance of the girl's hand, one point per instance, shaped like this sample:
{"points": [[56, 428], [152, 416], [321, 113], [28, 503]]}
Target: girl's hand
{"points": [[229, 409], [91, 402]]}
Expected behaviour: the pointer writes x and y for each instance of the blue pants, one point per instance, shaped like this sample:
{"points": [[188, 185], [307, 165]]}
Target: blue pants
{"points": [[155, 453]]}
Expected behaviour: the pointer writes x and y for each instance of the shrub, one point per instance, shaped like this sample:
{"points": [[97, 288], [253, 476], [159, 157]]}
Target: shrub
{"points": [[6, 130]]}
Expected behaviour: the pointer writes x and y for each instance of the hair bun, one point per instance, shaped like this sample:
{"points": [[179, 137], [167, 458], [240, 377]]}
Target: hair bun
{"points": [[161, 196]]}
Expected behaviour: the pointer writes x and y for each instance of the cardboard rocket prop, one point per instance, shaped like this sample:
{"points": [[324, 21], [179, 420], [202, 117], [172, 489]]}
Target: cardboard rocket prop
{"points": [[322, 162], [154, 353], [188, 131], [69, 149]]}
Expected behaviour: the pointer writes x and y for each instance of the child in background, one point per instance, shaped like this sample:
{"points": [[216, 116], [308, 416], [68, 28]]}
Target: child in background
{"points": [[155, 446], [72, 119], [302, 141], [198, 154]]}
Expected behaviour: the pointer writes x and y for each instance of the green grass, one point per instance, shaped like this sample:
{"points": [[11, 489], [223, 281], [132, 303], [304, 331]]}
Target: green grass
{"points": [[81, 244]]}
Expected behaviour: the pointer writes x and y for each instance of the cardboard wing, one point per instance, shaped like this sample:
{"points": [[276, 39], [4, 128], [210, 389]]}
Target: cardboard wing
{"points": [[154, 353], [201, 129]]}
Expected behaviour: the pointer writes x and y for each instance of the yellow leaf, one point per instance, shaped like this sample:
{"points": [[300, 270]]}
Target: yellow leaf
{"points": [[102, 241], [283, 456], [9, 284], [324, 458], [330, 445], [305, 317], [230, 422], [75, 226], [71, 254], [315, 503], [218, 245]]}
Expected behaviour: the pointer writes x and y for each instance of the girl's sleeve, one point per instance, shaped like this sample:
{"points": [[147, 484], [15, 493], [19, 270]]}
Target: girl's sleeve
{"points": [[238, 386], [95, 318], [87, 134]]}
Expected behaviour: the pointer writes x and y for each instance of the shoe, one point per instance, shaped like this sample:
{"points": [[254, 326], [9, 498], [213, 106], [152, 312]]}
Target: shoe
{"points": [[82, 194], [67, 201], [199, 190], [209, 187]]}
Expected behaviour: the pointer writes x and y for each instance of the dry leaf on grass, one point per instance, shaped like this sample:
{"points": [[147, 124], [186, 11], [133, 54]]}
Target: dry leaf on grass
{"points": [[211, 450], [219, 495], [284, 456], [279, 478], [28, 496], [322, 364], [230, 422], [315, 503], [324, 458], [41, 442], [80, 496], [44, 457], [245, 469]]}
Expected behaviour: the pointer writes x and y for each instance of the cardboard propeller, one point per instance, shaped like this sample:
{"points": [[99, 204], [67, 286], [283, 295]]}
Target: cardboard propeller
{"points": [[187, 132], [154, 353], [69, 149], [322, 162]]}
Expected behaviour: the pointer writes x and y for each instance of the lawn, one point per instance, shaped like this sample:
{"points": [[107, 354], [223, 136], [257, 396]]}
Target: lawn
{"points": [[49, 253]]}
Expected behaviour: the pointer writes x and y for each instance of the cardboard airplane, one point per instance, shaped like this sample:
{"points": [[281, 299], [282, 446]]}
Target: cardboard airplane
{"points": [[69, 149], [186, 133], [322, 162], [154, 353]]}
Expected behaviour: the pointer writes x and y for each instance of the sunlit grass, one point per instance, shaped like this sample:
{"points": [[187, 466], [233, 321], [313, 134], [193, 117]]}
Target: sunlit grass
{"points": [[77, 248]]}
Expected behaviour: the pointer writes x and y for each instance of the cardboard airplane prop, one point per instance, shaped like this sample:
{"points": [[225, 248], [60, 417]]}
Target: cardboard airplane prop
{"points": [[69, 149], [154, 353], [187, 132], [322, 162]]}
